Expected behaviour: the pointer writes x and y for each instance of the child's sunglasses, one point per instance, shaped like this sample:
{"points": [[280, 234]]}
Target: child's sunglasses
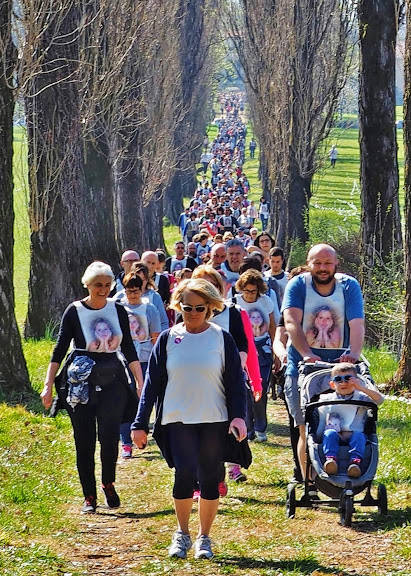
{"points": [[188, 308], [344, 378]]}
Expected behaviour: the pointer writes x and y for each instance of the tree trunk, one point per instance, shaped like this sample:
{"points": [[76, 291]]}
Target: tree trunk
{"points": [[189, 131], [298, 201], [128, 200], [153, 224], [14, 380], [183, 184], [403, 375], [380, 213], [71, 201]]}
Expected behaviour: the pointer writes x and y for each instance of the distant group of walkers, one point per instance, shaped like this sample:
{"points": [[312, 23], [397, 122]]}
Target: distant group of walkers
{"points": [[199, 335]]}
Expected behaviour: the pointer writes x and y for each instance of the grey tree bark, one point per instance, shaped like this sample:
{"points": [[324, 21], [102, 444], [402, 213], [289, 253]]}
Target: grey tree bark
{"points": [[193, 56], [380, 212], [14, 380], [403, 375], [71, 203]]}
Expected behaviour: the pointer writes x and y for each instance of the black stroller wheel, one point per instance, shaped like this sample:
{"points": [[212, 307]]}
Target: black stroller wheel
{"points": [[346, 509], [290, 502], [382, 500]]}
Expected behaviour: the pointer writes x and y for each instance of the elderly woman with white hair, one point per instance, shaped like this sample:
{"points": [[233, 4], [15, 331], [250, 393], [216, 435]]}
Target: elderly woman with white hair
{"points": [[94, 383]]}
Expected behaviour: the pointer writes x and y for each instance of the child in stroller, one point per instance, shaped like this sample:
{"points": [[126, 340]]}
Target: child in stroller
{"points": [[339, 470], [346, 386]]}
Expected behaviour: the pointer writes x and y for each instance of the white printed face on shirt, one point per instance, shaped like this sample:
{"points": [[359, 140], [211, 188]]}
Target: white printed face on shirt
{"points": [[104, 339], [324, 331], [138, 327]]}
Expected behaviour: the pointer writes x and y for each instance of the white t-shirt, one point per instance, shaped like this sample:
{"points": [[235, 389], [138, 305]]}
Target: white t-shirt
{"points": [[195, 364]]}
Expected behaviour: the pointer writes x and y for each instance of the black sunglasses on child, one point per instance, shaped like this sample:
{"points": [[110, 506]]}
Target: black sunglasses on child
{"points": [[344, 378], [188, 308]]}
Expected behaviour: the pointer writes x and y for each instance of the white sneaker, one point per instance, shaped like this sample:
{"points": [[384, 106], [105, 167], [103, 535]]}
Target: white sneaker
{"points": [[260, 437], [180, 545], [202, 548]]}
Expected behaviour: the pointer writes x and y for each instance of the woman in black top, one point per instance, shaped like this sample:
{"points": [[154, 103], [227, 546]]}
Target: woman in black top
{"points": [[97, 386]]}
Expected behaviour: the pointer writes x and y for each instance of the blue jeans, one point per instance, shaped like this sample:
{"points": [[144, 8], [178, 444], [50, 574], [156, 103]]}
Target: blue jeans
{"points": [[264, 221], [265, 361], [332, 440], [125, 426]]}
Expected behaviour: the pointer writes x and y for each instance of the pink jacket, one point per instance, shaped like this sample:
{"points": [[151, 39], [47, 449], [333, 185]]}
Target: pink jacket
{"points": [[252, 366]]}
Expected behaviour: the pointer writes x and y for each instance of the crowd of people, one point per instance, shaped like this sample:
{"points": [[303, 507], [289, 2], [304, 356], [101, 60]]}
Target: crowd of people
{"points": [[205, 329]]}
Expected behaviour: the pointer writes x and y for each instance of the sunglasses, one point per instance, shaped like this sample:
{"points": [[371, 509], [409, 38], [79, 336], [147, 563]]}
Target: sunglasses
{"points": [[188, 308], [344, 378]]}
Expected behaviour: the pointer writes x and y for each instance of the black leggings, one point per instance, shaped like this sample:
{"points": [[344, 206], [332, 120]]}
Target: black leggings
{"points": [[197, 454], [106, 410]]}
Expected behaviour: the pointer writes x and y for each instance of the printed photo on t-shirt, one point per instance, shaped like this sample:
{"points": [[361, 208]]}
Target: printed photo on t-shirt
{"points": [[342, 418], [324, 328], [103, 337], [138, 326], [259, 321]]}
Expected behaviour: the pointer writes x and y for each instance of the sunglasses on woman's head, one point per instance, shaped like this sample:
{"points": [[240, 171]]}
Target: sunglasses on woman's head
{"points": [[188, 308], [344, 378]]}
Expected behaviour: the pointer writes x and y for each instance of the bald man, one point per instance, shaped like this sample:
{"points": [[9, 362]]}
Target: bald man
{"points": [[150, 259], [127, 260], [218, 255], [324, 318]]}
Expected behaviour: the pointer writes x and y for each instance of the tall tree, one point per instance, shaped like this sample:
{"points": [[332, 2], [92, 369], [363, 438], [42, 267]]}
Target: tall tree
{"points": [[14, 379], [71, 204], [380, 212], [193, 54], [403, 374], [294, 57], [142, 112]]}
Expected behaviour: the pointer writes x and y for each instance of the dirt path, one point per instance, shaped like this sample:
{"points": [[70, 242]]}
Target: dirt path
{"points": [[251, 533]]}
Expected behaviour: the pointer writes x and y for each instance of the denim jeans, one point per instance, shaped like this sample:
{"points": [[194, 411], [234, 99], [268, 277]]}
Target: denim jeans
{"points": [[332, 440], [264, 221], [265, 361], [125, 426]]}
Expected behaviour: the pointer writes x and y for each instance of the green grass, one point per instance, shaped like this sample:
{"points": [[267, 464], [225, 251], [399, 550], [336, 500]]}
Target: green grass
{"points": [[383, 364], [36, 482], [42, 533]]}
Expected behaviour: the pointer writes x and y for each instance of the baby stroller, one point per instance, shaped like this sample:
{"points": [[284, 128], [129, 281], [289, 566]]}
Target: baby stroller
{"points": [[340, 488]]}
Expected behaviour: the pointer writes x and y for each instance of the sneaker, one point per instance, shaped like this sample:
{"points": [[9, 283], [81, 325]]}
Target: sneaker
{"points": [[330, 466], [223, 488], [202, 548], [89, 505], [196, 495], [260, 437], [354, 470], [112, 498], [180, 545], [126, 451], [235, 474]]}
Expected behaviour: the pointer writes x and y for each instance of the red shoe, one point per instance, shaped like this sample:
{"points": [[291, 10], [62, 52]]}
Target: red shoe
{"points": [[196, 495], [222, 489]]}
